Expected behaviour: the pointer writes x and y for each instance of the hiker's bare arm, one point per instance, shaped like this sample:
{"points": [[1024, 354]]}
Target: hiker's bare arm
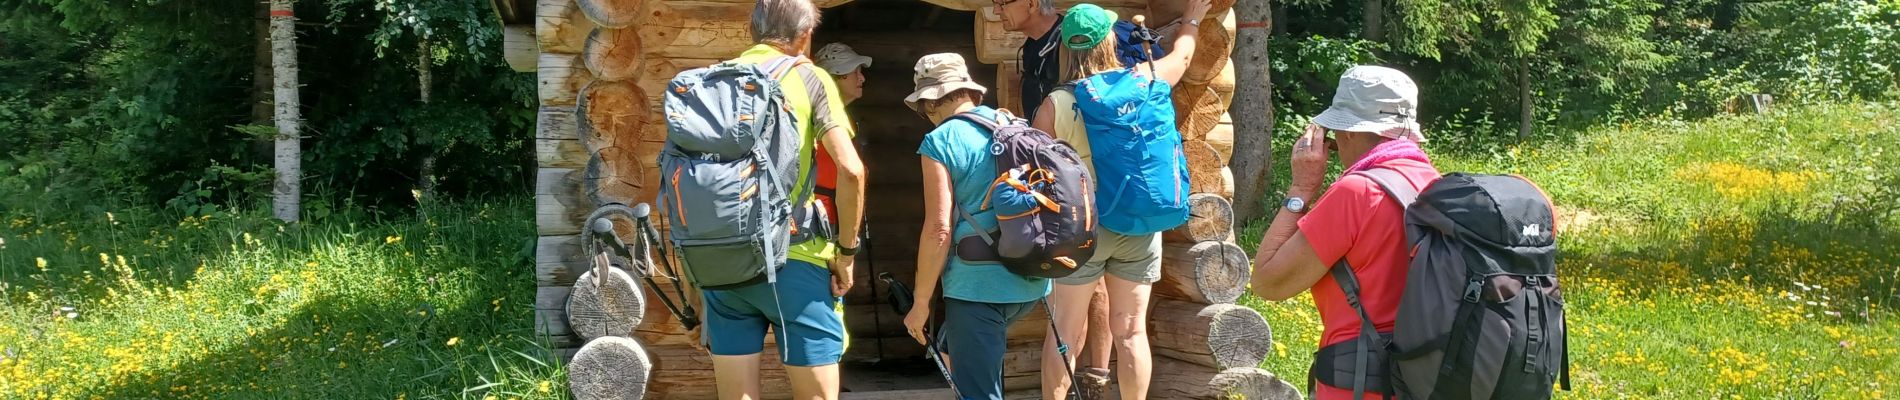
{"points": [[1046, 118], [1171, 67], [851, 182], [1287, 264], [933, 244]]}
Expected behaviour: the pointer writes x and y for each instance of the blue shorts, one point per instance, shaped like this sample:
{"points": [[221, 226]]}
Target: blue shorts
{"points": [[736, 319]]}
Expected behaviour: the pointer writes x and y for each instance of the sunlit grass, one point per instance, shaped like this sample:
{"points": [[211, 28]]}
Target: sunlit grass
{"points": [[1739, 257], [237, 306]]}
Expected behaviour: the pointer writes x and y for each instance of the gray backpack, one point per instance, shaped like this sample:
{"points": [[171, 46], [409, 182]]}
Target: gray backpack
{"points": [[1482, 315], [728, 170]]}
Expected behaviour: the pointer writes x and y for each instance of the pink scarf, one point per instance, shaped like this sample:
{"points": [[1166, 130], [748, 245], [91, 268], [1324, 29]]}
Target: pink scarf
{"points": [[1399, 149]]}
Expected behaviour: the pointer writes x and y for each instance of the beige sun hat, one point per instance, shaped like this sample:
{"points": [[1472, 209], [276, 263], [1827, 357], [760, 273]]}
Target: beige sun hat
{"points": [[937, 75], [840, 59], [1374, 99]]}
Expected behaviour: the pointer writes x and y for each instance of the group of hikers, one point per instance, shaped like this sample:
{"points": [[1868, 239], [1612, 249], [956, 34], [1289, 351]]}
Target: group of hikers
{"points": [[764, 192]]}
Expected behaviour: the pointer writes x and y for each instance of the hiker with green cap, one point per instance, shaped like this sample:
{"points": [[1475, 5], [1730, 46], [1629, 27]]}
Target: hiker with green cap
{"points": [[1141, 188]]}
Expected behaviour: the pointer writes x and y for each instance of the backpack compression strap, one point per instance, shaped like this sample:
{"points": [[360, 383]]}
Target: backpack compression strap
{"points": [[1401, 190]]}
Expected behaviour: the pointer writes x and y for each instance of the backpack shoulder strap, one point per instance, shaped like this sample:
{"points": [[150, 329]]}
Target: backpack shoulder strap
{"points": [[1393, 183], [980, 120], [1401, 190]]}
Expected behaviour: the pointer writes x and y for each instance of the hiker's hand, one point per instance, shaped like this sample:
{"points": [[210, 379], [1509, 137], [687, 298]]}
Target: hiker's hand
{"points": [[1309, 159], [914, 322], [841, 274], [1196, 10]]}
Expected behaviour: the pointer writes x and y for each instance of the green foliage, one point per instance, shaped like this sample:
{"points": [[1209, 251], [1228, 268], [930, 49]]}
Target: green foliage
{"points": [[132, 102], [150, 304], [1734, 257]]}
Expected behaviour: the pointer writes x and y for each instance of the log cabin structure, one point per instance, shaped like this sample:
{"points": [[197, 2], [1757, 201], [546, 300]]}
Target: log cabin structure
{"points": [[600, 67]]}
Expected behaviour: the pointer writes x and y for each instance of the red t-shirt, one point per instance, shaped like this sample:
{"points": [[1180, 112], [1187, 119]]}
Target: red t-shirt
{"points": [[827, 182], [1355, 220]]}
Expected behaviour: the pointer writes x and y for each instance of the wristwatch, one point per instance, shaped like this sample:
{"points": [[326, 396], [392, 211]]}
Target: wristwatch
{"points": [[848, 251], [1296, 205]]}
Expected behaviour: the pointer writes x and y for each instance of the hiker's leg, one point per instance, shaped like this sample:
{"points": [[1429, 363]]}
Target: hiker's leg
{"points": [[1098, 348], [734, 332], [814, 383], [1070, 306], [736, 377], [1131, 276], [812, 337], [1128, 319], [976, 337]]}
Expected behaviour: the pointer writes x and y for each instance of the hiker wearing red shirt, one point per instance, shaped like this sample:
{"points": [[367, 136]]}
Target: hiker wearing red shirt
{"points": [[1373, 124]]}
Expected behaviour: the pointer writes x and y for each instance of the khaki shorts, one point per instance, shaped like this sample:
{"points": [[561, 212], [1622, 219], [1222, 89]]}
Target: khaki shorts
{"points": [[1133, 258]]}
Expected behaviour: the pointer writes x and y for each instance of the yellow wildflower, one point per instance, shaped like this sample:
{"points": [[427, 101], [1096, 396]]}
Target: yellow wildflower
{"points": [[454, 341], [544, 387], [392, 240], [41, 262]]}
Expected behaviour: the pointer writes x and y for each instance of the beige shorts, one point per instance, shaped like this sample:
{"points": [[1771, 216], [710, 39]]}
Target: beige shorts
{"points": [[1133, 258]]}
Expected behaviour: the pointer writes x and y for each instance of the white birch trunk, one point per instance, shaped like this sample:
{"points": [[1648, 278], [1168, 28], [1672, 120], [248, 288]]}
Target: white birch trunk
{"points": [[287, 192]]}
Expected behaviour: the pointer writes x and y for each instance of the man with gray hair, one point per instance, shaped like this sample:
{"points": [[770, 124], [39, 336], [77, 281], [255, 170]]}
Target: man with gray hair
{"points": [[803, 306], [1038, 20]]}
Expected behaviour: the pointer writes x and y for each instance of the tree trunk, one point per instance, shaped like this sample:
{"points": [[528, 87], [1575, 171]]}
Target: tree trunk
{"points": [[261, 80], [1253, 103], [425, 79], [287, 192], [1526, 107], [1374, 21]]}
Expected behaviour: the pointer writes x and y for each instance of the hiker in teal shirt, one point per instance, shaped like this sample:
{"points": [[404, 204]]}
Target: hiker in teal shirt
{"points": [[981, 300]]}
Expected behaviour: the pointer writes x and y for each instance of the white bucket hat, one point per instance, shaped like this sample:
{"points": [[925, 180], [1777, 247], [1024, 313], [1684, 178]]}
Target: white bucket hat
{"points": [[1374, 99], [839, 59], [937, 75]]}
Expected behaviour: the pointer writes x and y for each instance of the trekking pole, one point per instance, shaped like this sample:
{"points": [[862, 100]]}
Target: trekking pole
{"points": [[1062, 350], [902, 301], [864, 239], [603, 230]]}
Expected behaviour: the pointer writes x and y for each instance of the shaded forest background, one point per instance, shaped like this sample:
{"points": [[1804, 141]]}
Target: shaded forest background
{"points": [[165, 103]]}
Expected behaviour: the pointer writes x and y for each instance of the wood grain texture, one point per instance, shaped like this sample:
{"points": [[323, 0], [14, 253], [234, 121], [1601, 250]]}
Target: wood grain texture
{"points": [[1174, 379], [611, 13], [1219, 336], [559, 78], [560, 27], [1206, 272], [605, 307], [610, 368], [613, 54], [1210, 217]]}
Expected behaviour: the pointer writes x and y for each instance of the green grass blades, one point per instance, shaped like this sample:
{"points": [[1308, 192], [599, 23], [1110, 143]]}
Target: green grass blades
{"points": [[1745, 257], [139, 305]]}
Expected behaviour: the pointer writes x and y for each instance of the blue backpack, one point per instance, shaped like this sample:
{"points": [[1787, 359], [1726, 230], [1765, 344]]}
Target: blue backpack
{"points": [[1141, 170]]}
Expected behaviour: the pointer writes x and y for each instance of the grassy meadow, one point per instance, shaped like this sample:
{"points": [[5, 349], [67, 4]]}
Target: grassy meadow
{"points": [[1742, 257], [1745, 257]]}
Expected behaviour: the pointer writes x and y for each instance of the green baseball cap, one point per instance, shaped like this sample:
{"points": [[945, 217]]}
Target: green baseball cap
{"points": [[1086, 25]]}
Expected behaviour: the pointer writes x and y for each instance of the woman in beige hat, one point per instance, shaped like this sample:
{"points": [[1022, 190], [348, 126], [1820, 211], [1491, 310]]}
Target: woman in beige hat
{"points": [[981, 300]]}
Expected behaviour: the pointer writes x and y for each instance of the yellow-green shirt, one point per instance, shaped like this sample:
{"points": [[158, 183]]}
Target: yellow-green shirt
{"points": [[816, 121]]}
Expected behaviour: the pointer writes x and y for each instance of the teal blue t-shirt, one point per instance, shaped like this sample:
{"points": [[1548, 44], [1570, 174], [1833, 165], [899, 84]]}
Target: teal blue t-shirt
{"points": [[964, 150]]}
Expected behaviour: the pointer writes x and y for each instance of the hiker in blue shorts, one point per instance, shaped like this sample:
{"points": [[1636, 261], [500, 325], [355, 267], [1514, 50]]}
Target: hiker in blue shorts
{"points": [[804, 306]]}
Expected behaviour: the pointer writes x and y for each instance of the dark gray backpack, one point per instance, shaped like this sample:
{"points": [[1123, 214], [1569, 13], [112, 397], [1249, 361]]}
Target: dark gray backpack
{"points": [[1043, 199], [1482, 316], [728, 170]]}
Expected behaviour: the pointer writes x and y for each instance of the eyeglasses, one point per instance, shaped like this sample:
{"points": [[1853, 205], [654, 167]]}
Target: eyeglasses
{"points": [[1000, 3]]}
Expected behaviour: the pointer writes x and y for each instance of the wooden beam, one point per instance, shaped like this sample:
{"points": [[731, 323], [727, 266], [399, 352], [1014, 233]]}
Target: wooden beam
{"points": [[1206, 272], [560, 78], [518, 47], [1180, 380], [559, 26], [558, 206], [1219, 336]]}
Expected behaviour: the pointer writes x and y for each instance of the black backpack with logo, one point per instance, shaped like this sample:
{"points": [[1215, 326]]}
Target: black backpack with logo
{"points": [[1043, 199], [1482, 316]]}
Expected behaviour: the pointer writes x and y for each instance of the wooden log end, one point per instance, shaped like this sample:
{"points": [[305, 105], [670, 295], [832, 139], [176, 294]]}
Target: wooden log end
{"points": [[1210, 217], [611, 13], [1206, 272], [599, 307], [609, 368], [613, 54], [613, 113], [1174, 379]]}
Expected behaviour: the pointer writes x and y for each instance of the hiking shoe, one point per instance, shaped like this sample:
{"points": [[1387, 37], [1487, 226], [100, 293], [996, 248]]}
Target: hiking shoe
{"points": [[1094, 384]]}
